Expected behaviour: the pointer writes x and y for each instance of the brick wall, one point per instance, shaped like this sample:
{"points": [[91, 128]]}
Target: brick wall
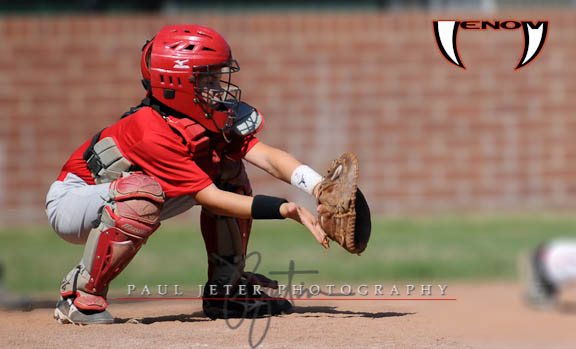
{"points": [[430, 137]]}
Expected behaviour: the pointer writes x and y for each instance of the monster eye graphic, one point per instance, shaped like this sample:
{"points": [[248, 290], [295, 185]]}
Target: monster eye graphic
{"points": [[445, 32], [534, 37]]}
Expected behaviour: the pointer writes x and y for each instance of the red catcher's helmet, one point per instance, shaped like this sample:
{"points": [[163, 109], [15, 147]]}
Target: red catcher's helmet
{"points": [[177, 61]]}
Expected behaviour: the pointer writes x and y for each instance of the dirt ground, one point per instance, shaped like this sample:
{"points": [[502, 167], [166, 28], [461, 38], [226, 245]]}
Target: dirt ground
{"points": [[483, 315]]}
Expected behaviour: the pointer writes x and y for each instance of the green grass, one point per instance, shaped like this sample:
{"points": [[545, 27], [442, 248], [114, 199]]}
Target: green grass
{"points": [[401, 249]]}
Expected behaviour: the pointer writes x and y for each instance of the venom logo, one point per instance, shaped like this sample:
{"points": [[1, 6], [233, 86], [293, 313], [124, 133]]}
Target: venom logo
{"points": [[534, 37]]}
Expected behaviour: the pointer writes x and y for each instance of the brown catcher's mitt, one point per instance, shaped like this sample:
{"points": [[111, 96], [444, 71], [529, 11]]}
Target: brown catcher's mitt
{"points": [[344, 215]]}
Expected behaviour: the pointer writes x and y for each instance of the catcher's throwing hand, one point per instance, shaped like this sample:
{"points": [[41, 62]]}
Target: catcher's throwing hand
{"points": [[304, 217]]}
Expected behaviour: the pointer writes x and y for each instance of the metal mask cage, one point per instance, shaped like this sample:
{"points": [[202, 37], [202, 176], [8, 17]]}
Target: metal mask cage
{"points": [[223, 97]]}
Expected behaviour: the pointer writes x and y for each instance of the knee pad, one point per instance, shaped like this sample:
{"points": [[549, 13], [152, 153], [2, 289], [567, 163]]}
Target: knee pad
{"points": [[135, 205], [127, 220]]}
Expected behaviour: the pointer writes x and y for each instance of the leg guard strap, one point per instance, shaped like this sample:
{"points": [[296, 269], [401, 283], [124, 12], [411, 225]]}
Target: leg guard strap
{"points": [[87, 301]]}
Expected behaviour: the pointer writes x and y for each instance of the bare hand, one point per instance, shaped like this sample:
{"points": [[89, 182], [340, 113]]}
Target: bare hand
{"points": [[303, 216]]}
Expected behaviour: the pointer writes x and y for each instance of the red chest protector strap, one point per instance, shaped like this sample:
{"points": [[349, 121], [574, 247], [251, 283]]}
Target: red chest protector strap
{"points": [[193, 134]]}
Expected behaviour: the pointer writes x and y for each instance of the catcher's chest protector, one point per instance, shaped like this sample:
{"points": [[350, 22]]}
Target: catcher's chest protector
{"points": [[193, 134], [205, 150]]}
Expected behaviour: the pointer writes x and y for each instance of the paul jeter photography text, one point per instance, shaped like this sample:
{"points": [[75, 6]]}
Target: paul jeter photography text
{"points": [[298, 291]]}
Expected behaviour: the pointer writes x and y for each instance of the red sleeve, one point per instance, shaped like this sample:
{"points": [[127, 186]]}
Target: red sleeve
{"points": [[77, 165], [238, 149], [147, 141], [163, 157]]}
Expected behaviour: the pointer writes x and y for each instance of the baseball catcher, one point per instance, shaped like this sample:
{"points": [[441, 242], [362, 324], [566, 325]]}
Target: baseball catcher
{"points": [[342, 209], [184, 145]]}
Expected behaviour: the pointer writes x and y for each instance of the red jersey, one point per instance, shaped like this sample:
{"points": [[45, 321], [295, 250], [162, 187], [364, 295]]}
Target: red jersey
{"points": [[149, 143]]}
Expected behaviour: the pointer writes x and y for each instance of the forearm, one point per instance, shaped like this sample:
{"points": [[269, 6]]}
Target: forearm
{"points": [[284, 166], [280, 164], [224, 203], [230, 204], [294, 172]]}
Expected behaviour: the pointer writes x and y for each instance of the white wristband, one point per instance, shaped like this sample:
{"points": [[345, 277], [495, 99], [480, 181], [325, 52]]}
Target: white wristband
{"points": [[305, 178]]}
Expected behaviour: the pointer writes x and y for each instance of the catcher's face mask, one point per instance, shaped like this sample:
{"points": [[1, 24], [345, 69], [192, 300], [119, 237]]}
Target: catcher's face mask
{"points": [[215, 93]]}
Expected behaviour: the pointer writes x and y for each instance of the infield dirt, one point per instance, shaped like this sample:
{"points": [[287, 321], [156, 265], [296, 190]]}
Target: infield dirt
{"points": [[483, 315]]}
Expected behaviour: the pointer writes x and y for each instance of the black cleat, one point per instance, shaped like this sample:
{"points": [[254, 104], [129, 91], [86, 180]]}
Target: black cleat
{"points": [[253, 304]]}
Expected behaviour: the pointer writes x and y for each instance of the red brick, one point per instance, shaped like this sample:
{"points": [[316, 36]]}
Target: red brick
{"points": [[377, 79]]}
